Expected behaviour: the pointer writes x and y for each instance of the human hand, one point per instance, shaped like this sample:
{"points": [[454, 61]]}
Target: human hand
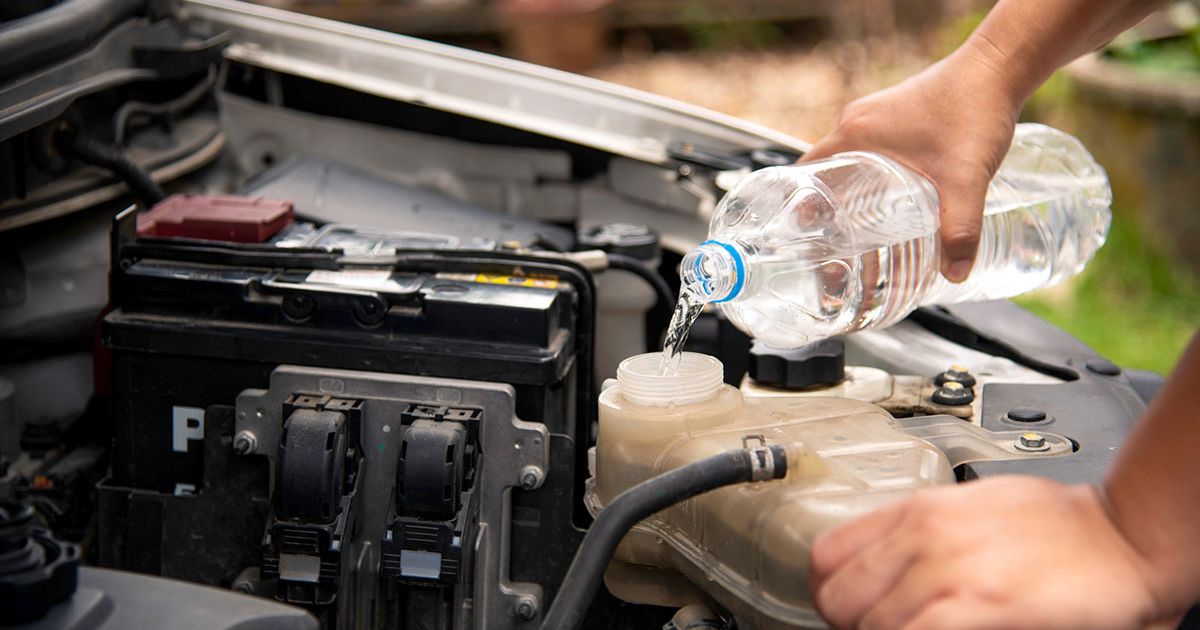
{"points": [[953, 123], [1009, 552]]}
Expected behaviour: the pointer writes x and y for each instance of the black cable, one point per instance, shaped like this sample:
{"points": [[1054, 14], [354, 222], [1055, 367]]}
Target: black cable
{"points": [[166, 109], [114, 159], [653, 495], [661, 289]]}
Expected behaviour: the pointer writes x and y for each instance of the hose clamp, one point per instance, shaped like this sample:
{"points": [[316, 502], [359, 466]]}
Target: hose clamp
{"points": [[762, 458]]}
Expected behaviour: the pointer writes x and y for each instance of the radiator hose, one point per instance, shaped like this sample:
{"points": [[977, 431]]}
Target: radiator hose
{"points": [[579, 587]]}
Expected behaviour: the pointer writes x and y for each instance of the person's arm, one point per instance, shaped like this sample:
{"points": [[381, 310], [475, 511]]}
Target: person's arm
{"points": [[1015, 552], [954, 122], [1021, 552], [1153, 489]]}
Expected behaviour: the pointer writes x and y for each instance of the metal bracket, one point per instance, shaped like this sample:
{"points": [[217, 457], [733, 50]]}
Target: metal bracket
{"points": [[512, 448]]}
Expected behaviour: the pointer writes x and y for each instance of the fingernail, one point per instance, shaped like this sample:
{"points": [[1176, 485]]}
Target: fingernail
{"points": [[958, 270]]}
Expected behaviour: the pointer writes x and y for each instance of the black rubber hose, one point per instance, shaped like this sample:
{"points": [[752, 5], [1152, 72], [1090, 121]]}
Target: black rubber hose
{"points": [[51, 34], [663, 292], [653, 495], [170, 108], [116, 160]]}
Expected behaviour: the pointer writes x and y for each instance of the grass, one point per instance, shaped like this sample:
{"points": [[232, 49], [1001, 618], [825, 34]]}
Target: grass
{"points": [[1131, 304]]}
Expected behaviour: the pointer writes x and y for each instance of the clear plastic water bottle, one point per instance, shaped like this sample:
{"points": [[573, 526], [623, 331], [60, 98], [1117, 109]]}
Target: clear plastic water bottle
{"points": [[800, 253]]}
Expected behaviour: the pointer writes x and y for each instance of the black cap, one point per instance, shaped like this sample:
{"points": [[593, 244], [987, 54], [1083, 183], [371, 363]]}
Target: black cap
{"points": [[38, 570], [631, 239], [820, 363]]}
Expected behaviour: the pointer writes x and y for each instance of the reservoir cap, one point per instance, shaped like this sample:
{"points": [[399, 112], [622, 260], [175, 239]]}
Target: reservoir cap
{"points": [[820, 363], [630, 239]]}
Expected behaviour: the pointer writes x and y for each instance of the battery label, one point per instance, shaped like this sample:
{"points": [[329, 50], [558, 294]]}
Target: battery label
{"points": [[355, 278], [516, 281]]}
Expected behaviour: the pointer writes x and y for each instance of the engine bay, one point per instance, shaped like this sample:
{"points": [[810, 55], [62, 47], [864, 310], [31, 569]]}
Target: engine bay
{"points": [[326, 351]]}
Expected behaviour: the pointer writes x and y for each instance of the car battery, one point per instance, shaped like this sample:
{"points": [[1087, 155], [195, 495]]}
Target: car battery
{"points": [[197, 327], [185, 336]]}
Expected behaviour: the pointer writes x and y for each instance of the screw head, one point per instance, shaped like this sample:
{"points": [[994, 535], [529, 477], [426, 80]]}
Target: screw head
{"points": [[526, 607], [244, 442], [1032, 442], [956, 374], [953, 394], [532, 477]]}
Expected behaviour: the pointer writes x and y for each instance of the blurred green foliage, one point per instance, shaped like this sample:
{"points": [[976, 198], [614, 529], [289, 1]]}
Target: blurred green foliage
{"points": [[1173, 47], [954, 32], [726, 26], [1169, 55]]}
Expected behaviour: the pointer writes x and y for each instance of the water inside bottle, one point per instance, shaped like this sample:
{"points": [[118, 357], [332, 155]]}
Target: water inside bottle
{"points": [[851, 243]]}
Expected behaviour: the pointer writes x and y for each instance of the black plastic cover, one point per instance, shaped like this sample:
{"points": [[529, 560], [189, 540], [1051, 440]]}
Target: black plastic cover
{"points": [[37, 570], [429, 473], [820, 363], [630, 239], [311, 457]]}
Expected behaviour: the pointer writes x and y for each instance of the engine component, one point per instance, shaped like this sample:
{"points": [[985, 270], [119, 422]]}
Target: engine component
{"points": [[316, 483], [218, 218], [265, 360], [443, 559], [435, 500], [339, 194], [901, 395], [116, 600], [70, 141], [10, 430], [816, 364], [747, 549], [763, 463], [430, 470], [37, 570], [624, 297]]}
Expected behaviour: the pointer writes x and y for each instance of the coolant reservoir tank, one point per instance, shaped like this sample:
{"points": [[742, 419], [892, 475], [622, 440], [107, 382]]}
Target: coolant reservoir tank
{"points": [[746, 546]]}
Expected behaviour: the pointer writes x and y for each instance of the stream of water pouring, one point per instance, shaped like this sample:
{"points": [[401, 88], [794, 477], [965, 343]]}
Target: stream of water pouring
{"points": [[687, 309]]}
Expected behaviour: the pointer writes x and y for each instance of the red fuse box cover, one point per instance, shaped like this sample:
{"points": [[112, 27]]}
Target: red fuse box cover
{"points": [[216, 218]]}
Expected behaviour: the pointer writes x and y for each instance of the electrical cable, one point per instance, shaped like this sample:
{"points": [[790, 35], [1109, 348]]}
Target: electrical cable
{"points": [[172, 107], [639, 502], [113, 159]]}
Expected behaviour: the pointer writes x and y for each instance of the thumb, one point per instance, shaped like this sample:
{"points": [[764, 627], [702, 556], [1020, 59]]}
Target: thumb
{"points": [[962, 222], [825, 147]]}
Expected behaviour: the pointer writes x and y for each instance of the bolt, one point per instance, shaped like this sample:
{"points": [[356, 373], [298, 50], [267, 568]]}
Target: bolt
{"points": [[245, 442], [1032, 442], [526, 607], [956, 374], [532, 477], [1103, 368], [953, 394], [1026, 414]]}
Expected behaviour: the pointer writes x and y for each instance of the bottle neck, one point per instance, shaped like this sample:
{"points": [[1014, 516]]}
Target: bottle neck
{"points": [[714, 272]]}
